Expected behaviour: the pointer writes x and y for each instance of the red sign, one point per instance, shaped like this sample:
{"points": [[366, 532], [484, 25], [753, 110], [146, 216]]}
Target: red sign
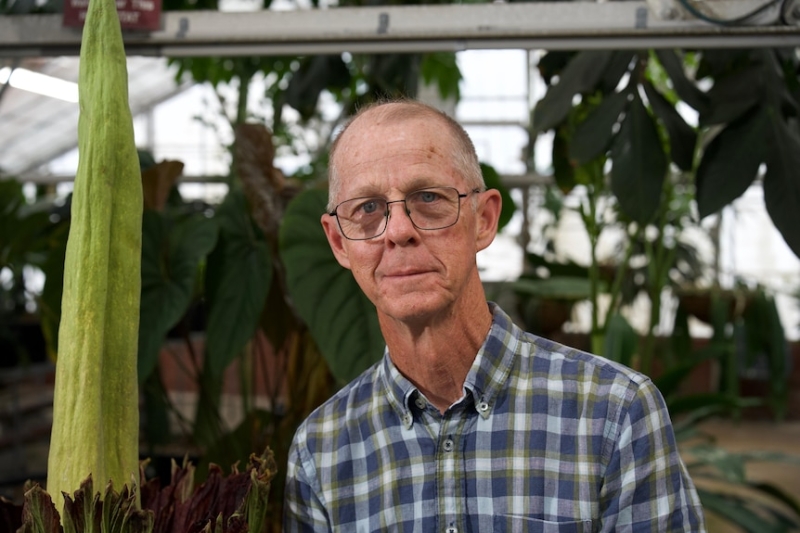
{"points": [[133, 14]]}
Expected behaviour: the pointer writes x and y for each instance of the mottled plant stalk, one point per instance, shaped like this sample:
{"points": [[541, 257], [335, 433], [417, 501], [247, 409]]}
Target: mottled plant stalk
{"points": [[96, 416]]}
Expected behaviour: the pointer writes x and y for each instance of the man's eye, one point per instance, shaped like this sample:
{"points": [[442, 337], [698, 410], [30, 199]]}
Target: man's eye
{"points": [[369, 207], [428, 196]]}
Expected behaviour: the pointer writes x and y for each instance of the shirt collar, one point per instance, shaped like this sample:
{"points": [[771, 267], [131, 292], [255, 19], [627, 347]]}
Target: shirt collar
{"points": [[484, 381], [493, 362], [400, 390]]}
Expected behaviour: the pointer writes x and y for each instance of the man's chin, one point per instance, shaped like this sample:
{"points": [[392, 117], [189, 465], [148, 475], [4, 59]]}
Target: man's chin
{"points": [[414, 307]]}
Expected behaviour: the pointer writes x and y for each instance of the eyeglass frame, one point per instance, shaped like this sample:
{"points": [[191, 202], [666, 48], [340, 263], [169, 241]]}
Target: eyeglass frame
{"points": [[461, 196]]}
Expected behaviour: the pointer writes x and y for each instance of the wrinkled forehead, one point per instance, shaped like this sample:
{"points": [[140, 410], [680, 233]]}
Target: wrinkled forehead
{"points": [[380, 125], [409, 152]]}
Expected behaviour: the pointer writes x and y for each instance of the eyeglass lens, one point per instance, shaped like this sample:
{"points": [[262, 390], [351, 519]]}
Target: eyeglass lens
{"points": [[429, 209]]}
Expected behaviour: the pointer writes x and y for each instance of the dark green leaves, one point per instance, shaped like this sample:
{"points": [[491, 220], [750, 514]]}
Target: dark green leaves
{"points": [[492, 180], [753, 93], [781, 183], [732, 95], [315, 74], [640, 166], [593, 136], [615, 124], [238, 278], [342, 320], [172, 249], [581, 74], [730, 162], [621, 340], [441, 69], [687, 91], [682, 137]]}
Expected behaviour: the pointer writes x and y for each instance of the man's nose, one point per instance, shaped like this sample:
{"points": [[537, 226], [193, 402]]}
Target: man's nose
{"points": [[399, 228], [389, 207]]}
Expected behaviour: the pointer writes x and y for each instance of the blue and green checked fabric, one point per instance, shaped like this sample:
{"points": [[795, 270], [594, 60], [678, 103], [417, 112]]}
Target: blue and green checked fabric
{"points": [[546, 439]]}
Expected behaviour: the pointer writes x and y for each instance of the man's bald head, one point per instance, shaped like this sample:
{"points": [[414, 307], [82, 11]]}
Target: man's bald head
{"points": [[462, 151]]}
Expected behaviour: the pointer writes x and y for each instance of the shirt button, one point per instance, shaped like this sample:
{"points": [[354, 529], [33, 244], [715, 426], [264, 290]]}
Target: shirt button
{"points": [[420, 403], [451, 530], [483, 407], [448, 447]]}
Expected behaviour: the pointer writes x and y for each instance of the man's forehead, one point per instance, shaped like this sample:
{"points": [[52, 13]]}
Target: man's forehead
{"points": [[384, 119], [377, 186]]}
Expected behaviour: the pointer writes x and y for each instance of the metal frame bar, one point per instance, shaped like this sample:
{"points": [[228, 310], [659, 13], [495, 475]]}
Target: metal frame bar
{"points": [[397, 29]]}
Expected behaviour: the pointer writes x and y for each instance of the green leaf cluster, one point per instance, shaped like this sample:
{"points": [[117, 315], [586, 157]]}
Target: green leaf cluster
{"points": [[620, 106], [33, 235]]}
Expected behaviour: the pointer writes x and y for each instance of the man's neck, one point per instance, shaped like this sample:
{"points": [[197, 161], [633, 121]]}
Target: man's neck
{"points": [[437, 356]]}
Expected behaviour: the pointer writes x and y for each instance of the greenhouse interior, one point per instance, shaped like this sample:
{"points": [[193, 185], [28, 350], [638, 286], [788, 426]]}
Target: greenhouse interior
{"points": [[648, 158]]}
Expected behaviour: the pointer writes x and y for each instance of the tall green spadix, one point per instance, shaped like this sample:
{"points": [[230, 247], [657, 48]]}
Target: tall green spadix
{"points": [[96, 417]]}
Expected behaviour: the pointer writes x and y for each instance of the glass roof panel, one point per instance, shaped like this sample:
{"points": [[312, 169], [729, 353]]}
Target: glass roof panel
{"points": [[35, 129]]}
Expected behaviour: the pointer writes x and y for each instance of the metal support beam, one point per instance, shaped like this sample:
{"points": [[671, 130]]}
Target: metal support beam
{"points": [[395, 29]]}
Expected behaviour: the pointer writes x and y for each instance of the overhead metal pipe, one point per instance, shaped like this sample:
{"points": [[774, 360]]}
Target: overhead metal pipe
{"points": [[412, 28]]}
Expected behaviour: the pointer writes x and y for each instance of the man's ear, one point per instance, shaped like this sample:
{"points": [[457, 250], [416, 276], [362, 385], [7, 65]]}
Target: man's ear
{"points": [[335, 239], [488, 215]]}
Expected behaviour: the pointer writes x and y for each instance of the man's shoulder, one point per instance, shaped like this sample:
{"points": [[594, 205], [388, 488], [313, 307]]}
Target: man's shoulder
{"points": [[570, 362], [554, 362], [583, 378]]}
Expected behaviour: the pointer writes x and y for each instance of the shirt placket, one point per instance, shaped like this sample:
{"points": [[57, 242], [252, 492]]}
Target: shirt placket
{"points": [[449, 476]]}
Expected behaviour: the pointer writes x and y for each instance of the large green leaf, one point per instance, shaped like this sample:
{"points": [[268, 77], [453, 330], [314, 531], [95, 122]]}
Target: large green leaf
{"points": [[555, 287], [781, 183], [715, 402], [682, 137], [492, 180], [729, 466], [717, 61], [639, 164], [621, 340], [618, 65], [733, 95], [563, 171], [341, 319], [315, 74], [581, 74], [730, 162], [567, 268], [592, 137], [172, 249], [238, 278], [778, 493], [50, 299], [735, 509], [441, 68], [685, 88]]}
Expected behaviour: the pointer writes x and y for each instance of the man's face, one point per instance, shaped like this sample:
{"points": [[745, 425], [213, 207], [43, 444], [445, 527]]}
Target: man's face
{"points": [[409, 274]]}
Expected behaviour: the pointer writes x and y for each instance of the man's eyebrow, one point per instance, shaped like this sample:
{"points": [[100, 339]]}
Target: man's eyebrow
{"points": [[374, 190], [422, 183]]}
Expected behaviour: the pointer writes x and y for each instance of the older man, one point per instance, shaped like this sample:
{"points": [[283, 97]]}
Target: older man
{"points": [[467, 424]]}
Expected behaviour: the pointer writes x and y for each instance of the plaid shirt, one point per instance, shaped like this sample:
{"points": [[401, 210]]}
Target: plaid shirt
{"points": [[545, 439]]}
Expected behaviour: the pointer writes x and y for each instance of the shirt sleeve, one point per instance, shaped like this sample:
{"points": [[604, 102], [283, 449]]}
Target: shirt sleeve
{"points": [[303, 510], [647, 487]]}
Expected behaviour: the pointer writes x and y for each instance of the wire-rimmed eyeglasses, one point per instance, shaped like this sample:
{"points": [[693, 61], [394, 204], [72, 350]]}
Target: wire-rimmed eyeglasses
{"points": [[430, 208]]}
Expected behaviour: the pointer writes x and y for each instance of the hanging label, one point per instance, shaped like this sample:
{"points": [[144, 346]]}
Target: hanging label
{"points": [[133, 14]]}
